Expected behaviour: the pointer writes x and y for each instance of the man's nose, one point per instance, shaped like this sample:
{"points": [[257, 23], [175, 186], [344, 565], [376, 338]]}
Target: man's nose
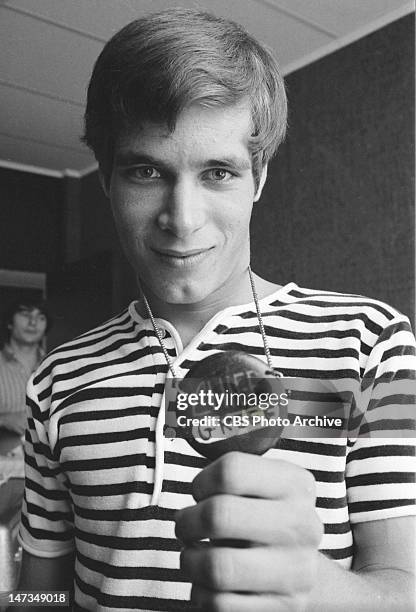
{"points": [[183, 212]]}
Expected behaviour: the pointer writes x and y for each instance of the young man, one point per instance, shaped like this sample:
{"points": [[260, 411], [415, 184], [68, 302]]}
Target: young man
{"points": [[184, 112], [25, 324]]}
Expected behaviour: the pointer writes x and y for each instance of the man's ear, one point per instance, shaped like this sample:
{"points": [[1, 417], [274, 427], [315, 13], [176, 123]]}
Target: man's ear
{"points": [[104, 182], [262, 180]]}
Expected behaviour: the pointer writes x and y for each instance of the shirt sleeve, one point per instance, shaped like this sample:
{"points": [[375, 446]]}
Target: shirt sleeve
{"points": [[46, 528], [381, 463]]}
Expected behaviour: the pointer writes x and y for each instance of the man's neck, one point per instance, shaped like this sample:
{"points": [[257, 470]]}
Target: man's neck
{"points": [[189, 319]]}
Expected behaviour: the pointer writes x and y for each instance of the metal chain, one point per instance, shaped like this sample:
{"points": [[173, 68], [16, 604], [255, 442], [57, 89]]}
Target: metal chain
{"points": [[261, 325], [159, 336], [259, 318]]}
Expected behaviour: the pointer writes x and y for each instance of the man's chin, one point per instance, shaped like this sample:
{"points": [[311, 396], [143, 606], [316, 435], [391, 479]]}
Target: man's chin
{"points": [[181, 293], [185, 298]]}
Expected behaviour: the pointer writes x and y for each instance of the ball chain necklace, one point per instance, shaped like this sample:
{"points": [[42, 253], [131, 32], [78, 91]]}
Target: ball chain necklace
{"points": [[217, 372]]}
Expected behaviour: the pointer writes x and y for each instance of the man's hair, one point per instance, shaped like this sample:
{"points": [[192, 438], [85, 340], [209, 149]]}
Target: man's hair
{"points": [[20, 305], [158, 65]]}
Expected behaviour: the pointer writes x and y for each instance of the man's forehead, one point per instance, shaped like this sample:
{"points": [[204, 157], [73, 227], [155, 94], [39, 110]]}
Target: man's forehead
{"points": [[218, 127]]}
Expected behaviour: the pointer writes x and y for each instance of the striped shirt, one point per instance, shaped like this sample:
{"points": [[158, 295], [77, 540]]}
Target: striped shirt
{"points": [[90, 449]]}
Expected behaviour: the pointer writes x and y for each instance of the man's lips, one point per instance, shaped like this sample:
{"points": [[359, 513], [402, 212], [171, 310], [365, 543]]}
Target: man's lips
{"points": [[177, 259], [180, 254]]}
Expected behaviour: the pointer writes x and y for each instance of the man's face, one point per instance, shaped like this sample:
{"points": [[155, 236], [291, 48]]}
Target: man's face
{"points": [[182, 202], [28, 326]]}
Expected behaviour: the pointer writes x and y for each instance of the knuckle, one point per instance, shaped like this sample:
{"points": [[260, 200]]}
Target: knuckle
{"points": [[179, 521], [218, 569], [209, 511], [301, 484], [305, 527], [315, 529], [309, 484], [301, 535], [229, 468], [196, 487], [319, 529], [215, 516]]}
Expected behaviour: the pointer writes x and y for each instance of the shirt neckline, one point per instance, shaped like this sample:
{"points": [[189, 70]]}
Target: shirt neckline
{"points": [[284, 290]]}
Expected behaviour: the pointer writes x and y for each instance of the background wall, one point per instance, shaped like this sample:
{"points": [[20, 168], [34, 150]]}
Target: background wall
{"points": [[30, 221], [337, 212]]}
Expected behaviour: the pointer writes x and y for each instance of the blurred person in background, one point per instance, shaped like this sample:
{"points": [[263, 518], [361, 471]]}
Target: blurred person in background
{"points": [[24, 324]]}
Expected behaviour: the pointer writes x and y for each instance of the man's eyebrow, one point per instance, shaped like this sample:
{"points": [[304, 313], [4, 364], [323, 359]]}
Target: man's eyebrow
{"points": [[241, 163], [127, 157]]}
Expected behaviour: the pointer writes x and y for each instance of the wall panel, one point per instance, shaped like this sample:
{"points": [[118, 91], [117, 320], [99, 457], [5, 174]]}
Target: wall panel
{"points": [[337, 212]]}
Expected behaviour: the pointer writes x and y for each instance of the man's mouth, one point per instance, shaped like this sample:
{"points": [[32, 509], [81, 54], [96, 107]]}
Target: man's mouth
{"points": [[182, 258]]}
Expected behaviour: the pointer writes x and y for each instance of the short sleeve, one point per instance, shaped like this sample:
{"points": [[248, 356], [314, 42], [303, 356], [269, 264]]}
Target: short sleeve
{"points": [[46, 528], [381, 462]]}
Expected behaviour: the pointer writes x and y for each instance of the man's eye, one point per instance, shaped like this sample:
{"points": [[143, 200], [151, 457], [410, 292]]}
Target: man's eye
{"points": [[145, 172], [219, 174]]}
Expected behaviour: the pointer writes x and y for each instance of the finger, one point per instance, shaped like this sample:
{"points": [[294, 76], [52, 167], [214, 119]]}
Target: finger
{"points": [[209, 601], [254, 476], [260, 569], [263, 521]]}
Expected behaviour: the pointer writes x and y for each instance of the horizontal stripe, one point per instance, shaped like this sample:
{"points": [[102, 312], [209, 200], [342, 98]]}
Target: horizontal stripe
{"points": [[108, 463], [337, 554], [126, 514], [323, 476], [311, 319], [319, 448], [382, 450], [380, 478], [107, 438], [119, 413], [380, 504], [331, 502], [337, 528], [131, 573], [129, 543]]}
